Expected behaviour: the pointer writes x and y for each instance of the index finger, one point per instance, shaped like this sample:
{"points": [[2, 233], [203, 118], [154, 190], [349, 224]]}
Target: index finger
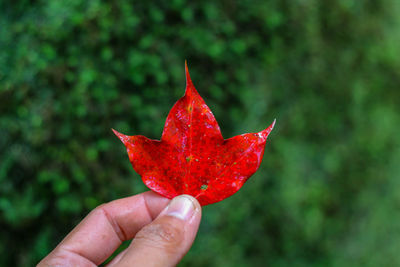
{"points": [[105, 228]]}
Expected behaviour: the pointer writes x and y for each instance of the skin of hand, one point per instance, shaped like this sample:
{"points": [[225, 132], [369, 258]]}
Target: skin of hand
{"points": [[162, 230]]}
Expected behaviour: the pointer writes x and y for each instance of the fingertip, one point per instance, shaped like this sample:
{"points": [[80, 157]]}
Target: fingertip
{"points": [[193, 199], [183, 207]]}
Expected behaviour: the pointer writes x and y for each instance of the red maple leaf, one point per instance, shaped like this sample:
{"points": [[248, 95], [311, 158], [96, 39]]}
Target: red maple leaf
{"points": [[192, 157]]}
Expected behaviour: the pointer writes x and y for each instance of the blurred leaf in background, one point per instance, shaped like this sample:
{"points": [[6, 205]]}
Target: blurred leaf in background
{"points": [[329, 71]]}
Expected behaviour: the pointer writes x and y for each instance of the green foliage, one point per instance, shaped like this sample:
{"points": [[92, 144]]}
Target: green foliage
{"points": [[326, 194]]}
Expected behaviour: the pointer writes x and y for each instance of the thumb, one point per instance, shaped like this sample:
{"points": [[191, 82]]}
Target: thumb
{"points": [[168, 238]]}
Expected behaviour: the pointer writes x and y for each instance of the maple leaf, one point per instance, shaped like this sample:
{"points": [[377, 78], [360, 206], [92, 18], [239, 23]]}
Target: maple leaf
{"points": [[192, 157]]}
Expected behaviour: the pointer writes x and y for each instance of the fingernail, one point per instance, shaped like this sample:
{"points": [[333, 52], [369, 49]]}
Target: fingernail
{"points": [[181, 207]]}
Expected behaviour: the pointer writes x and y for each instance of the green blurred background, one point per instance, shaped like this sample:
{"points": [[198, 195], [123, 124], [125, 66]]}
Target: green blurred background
{"points": [[328, 190]]}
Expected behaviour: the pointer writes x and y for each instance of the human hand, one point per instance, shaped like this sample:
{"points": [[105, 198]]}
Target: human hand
{"points": [[163, 230]]}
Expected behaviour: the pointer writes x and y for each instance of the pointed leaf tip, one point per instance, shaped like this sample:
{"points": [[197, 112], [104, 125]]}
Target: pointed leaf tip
{"points": [[271, 127], [268, 130], [189, 84], [124, 138]]}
